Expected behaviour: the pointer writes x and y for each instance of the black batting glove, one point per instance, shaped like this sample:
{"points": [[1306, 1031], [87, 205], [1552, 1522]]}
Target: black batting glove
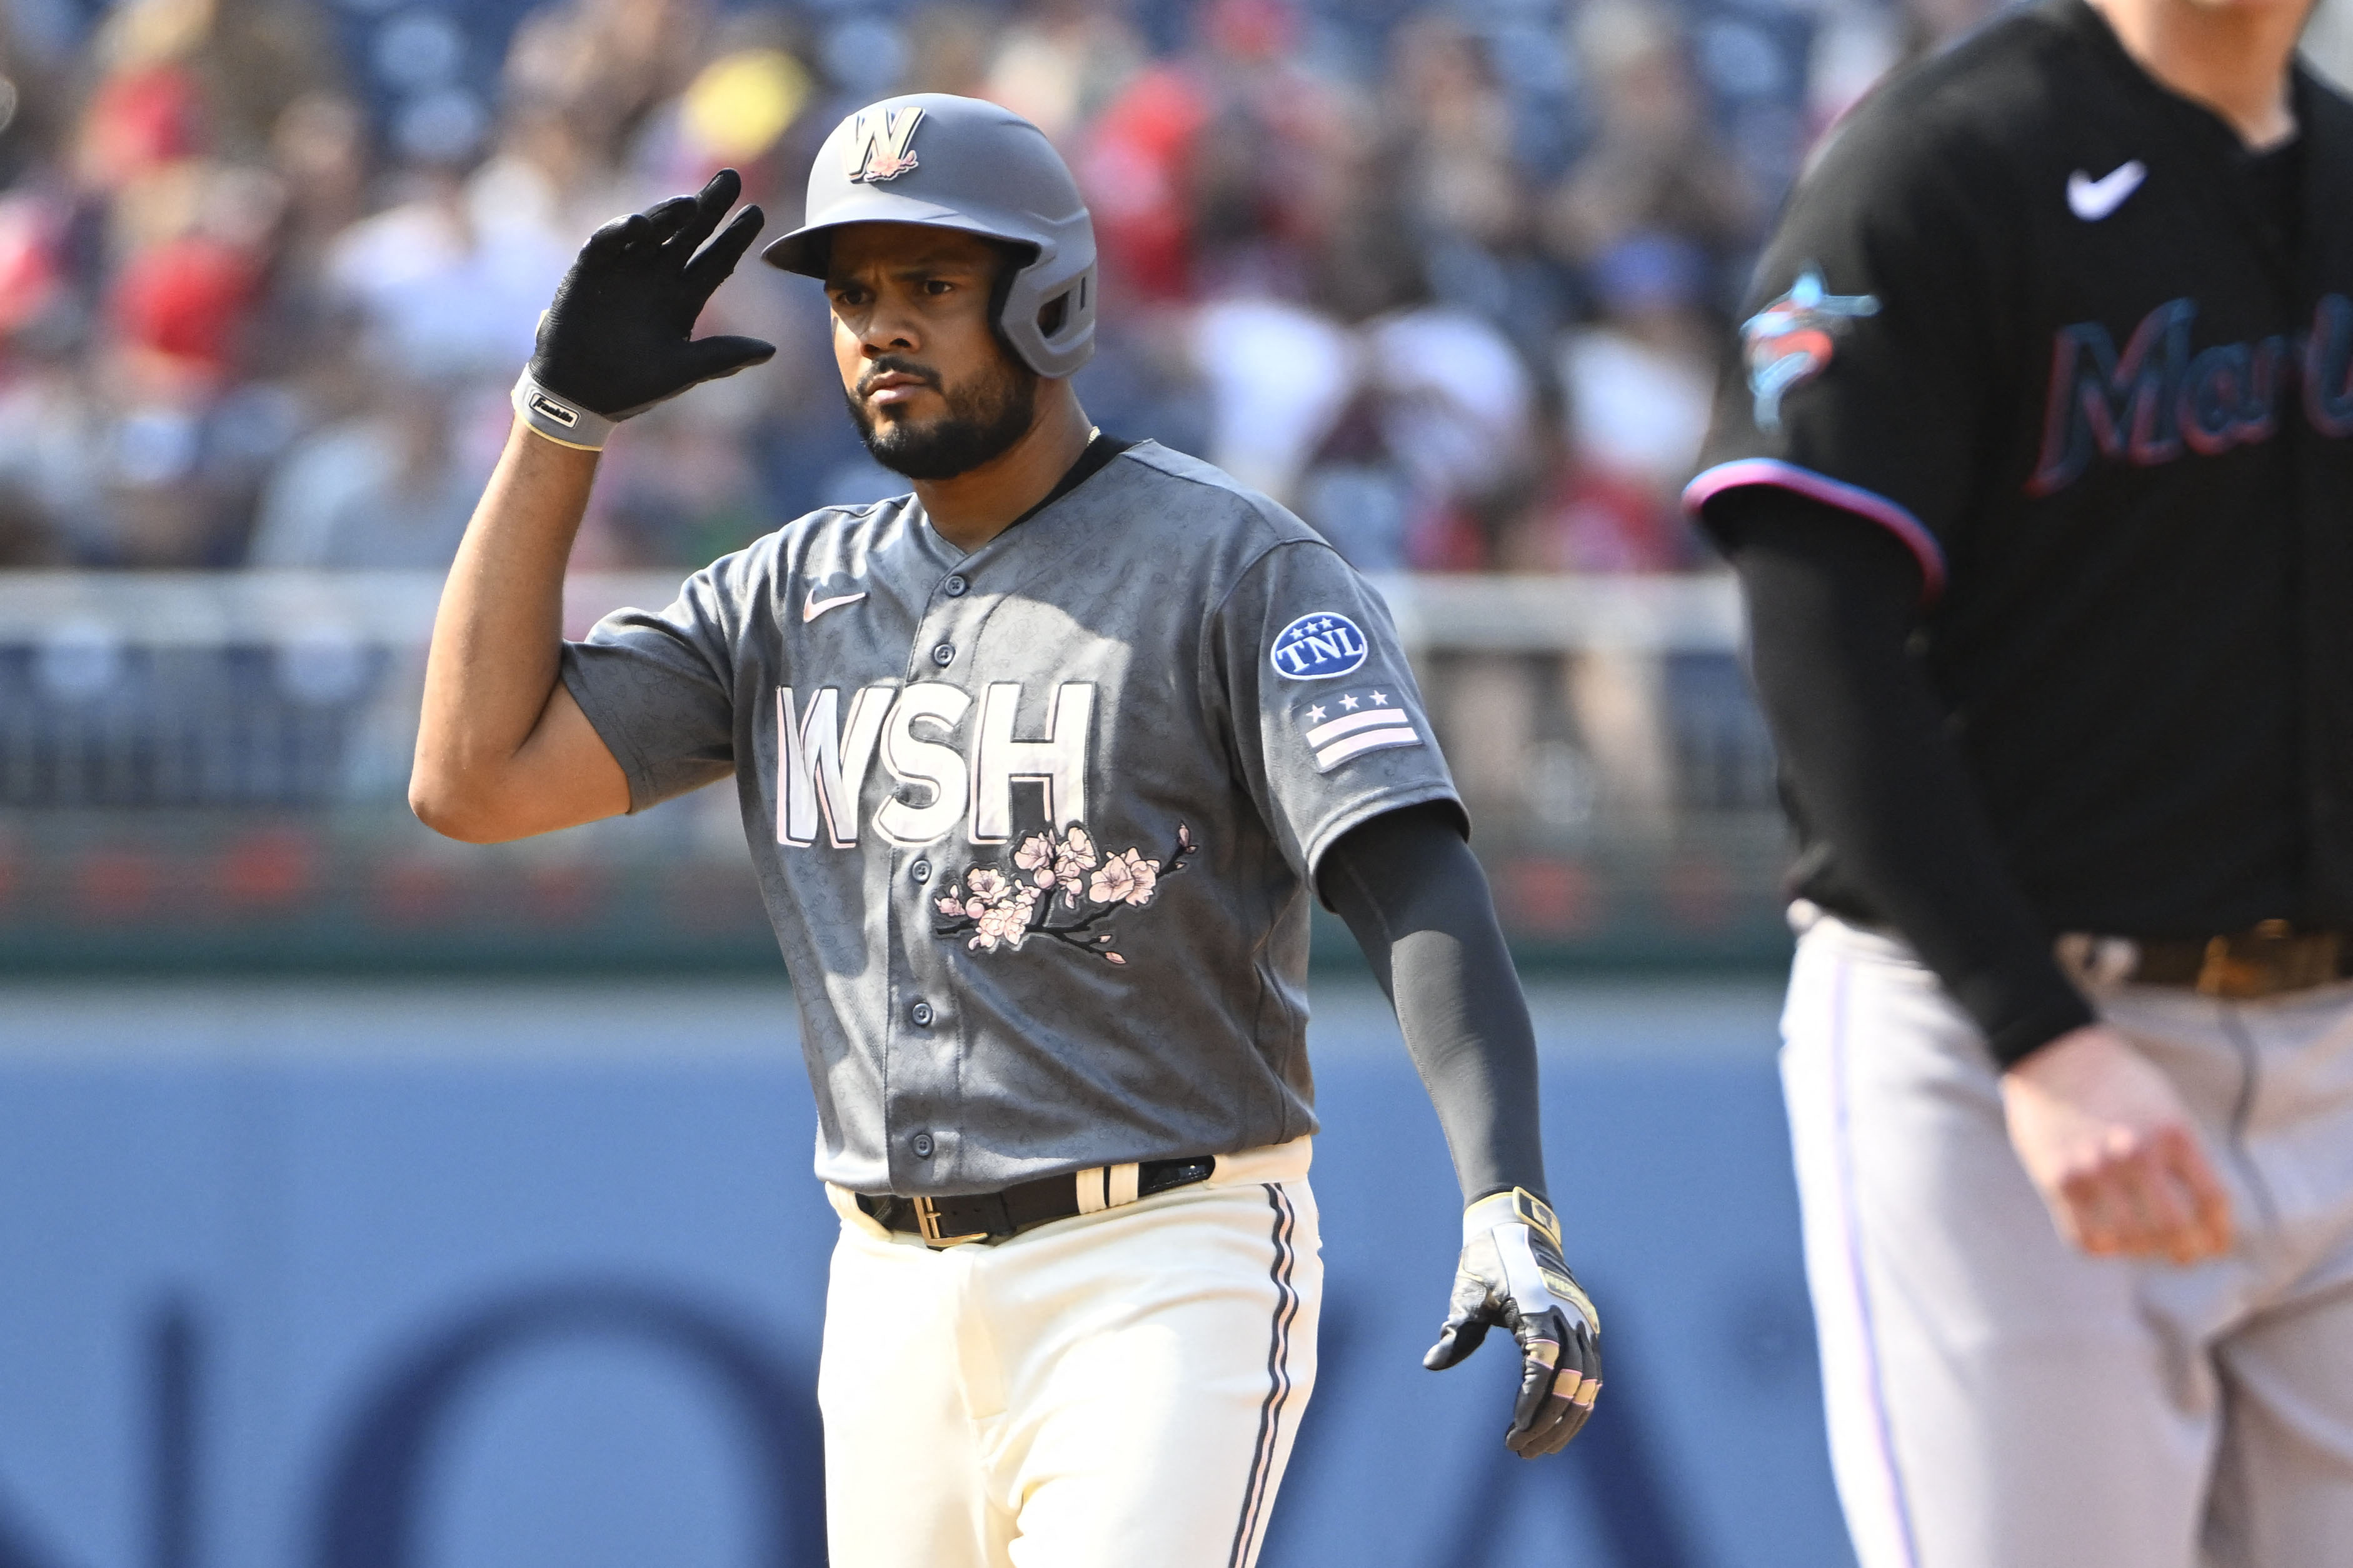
{"points": [[619, 337], [1511, 1274]]}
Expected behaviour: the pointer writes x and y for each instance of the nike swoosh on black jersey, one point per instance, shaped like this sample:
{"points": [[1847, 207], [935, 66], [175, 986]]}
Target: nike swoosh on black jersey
{"points": [[2092, 200]]}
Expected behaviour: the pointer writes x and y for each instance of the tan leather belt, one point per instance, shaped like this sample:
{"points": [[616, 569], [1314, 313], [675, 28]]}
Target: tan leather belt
{"points": [[2271, 959]]}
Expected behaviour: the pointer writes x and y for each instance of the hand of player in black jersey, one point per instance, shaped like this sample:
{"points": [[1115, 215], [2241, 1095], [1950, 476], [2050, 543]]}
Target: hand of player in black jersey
{"points": [[1511, 1274], [2107, 1141], [618, 339]]}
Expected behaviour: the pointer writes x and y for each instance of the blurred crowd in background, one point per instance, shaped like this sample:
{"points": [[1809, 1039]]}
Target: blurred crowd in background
{"points": [[1452, 281]]}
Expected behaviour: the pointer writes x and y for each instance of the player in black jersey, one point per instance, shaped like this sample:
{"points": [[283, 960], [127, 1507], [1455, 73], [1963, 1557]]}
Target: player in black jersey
{"points": [[2037, 472]]}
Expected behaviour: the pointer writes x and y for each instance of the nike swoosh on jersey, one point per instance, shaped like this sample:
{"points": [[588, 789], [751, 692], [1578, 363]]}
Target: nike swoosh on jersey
{"points": [[2092, 200], [813, 606]]}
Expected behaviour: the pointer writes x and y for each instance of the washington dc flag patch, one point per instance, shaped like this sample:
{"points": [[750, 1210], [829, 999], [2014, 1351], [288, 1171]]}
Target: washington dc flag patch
{"points": [[1349, 724]]}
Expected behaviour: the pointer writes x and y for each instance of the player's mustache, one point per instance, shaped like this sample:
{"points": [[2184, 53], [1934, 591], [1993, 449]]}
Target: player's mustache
{"points": [[892, 365]]}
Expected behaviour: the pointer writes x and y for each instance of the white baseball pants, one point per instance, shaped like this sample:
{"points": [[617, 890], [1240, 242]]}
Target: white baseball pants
{"points": [[1997, 1399], [1117, 1388]]}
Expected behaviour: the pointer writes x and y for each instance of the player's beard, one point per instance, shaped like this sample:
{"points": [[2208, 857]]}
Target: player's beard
{"points": [[985, 416]]}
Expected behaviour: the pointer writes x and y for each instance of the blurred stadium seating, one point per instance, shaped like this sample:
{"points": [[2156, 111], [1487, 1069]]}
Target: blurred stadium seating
{"points": [[1452, 281]]}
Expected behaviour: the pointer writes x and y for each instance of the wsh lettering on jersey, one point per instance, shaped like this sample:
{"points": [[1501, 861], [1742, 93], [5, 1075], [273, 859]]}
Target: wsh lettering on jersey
{"points": [[2158, 400], [825, 750]]}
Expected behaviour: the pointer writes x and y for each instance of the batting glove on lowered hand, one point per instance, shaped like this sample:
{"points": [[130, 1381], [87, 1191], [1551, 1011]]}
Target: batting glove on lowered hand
{"points": [[619, 337], [1511, 1274]]}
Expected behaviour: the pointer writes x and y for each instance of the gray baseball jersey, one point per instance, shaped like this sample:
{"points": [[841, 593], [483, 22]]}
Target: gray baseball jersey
{"points": [[1035, 824]]}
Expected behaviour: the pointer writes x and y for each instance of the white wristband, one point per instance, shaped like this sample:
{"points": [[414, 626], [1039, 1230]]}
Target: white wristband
{"points": [[559, 418], [1518, 1206]]}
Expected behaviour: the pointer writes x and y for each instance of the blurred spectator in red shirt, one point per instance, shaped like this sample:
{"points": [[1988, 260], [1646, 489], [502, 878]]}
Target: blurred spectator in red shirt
{"points": [[1216, 173], [1636, 382]]}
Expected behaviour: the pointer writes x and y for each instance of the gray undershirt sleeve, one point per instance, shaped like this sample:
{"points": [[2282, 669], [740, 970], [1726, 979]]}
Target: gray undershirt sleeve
{"points": [[1414, 896]]}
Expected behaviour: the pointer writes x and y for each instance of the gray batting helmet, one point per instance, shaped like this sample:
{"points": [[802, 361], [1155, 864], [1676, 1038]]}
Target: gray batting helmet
{"points": [[958, 163]]}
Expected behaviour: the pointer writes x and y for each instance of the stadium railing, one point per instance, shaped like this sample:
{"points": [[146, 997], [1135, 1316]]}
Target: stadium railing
{"points": [[207, 772]]}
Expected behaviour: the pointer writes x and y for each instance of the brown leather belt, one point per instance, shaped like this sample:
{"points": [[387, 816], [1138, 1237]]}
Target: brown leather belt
{"points": [[2268, 961], [993, 1216]]}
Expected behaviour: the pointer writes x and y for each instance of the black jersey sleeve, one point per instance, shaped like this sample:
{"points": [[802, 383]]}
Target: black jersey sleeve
{"points": [[1897, 832], [1866, 371]]}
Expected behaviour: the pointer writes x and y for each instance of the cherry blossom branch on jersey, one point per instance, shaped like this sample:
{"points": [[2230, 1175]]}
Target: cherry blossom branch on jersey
{"points": [[1050, 880]]}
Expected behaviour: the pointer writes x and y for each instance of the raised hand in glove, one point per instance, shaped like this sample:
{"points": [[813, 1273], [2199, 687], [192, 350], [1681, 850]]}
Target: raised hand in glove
{"points": [[1511, 1274], [618, 339]]}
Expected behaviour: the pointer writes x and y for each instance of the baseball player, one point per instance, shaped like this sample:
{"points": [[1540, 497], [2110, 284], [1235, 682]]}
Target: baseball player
{"points": [[1039, 765], [2036, 475]]}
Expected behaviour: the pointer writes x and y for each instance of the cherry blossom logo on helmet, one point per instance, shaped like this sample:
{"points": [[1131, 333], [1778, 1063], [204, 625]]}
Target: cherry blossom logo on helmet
{"points": [[882, 143]]}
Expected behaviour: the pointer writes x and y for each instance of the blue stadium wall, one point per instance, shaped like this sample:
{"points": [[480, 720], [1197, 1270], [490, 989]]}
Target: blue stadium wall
{"points": [[500, 1276]]}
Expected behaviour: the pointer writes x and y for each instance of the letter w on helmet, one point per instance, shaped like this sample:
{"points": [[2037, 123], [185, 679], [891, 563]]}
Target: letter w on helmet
{"points": [[882, 143]]}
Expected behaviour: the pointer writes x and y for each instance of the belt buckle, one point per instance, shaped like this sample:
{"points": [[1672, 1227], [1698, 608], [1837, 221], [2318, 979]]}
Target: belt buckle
{"points": [[927, 1223], [2266, 960]]}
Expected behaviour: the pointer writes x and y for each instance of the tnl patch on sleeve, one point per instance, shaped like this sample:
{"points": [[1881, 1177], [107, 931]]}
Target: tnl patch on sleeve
{"points": [[1349, 725], [1323, 646]]}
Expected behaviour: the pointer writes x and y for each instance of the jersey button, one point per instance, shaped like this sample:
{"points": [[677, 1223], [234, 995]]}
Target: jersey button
{"points": [[922, 1014], [944, 655], [923, 1145], [921, 870], [955, 586]]}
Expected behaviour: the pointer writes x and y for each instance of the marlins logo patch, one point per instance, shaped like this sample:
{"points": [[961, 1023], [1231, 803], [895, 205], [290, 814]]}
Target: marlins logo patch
{"points": [[882, 143], [1319, 647], [1789, 341]]}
